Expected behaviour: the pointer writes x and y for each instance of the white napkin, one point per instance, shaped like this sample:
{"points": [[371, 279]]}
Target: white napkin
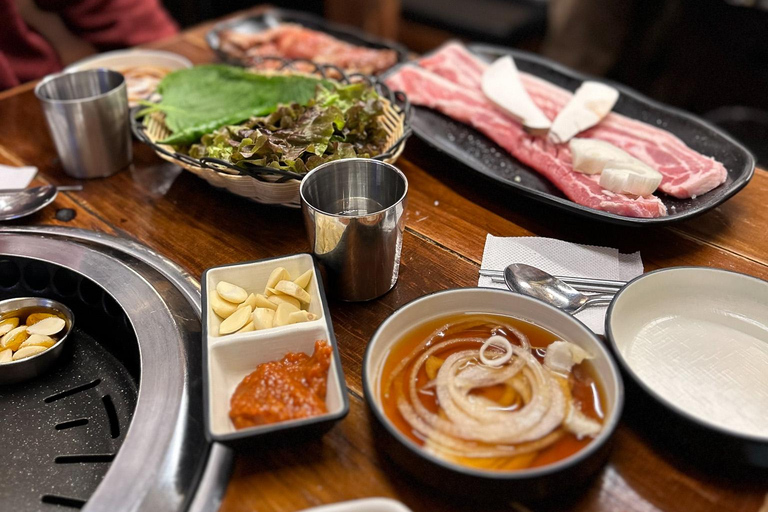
{"points": [[564, 259], [13, 178]]}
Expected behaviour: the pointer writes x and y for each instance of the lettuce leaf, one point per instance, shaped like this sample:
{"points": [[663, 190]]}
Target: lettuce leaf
{"points": [[342, 121], [201, 99]]}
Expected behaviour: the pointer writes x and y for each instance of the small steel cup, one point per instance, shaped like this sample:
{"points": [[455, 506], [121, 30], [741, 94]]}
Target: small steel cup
{"points": [[353, 211], [87, 113]]}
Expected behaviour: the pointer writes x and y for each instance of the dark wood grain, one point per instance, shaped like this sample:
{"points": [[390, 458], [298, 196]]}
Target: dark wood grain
{"points": [[450, 212]]}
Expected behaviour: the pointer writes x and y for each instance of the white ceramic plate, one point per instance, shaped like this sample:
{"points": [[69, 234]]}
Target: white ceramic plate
{"points": [[364, 505], [697, 339], [121, 60]]}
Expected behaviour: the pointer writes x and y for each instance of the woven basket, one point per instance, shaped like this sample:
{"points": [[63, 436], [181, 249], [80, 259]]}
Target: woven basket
{"points": [[264, 184]]}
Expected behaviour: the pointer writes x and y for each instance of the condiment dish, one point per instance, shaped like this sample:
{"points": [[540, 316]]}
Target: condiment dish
{"points": [[228, 359], [30, 367], [532, 483], [695, 340]]}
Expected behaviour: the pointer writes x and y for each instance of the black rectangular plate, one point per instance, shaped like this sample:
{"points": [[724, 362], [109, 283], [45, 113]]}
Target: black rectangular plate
{"points": [[478, 152], [274, 17]]}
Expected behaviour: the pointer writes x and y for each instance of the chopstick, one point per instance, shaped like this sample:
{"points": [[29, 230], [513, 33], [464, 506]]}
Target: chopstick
{"points": [[602, 284]]}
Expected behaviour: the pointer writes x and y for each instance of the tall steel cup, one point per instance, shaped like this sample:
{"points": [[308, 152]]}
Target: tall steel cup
{"points": [[353, 211], [87, 113]]}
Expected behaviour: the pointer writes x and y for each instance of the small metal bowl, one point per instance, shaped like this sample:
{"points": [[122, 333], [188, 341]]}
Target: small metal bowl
{"points": [[30, 367]]}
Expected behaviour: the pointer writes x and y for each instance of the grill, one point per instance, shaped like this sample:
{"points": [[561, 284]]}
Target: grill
{"points": [[117, 423]]}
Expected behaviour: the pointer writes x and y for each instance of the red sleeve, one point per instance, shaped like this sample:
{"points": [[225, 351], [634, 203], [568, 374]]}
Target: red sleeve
{"points": [[110, 24]]}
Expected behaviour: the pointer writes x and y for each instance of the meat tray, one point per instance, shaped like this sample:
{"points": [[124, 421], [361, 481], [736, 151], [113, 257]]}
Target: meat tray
{"points": [[473, 149], [274, 17]]}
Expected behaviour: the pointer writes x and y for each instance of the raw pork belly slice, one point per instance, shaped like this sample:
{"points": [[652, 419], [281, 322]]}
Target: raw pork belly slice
{"points": [[685, 172], [554, 162]]}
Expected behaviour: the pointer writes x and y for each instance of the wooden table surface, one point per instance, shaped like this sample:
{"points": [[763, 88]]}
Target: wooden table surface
{"points": [[449, 214]]}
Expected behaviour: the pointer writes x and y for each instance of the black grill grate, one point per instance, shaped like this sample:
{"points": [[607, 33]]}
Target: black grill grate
{"points": [[60, 431]]}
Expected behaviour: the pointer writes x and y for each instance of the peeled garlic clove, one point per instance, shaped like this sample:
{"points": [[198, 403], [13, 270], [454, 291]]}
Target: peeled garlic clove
{"points": [[6, 355], [294, 290], [298, 317], [8, 324], [284, 299], [231, 292], [38, 339], [263, 318], [25, 352], [14, 338], [304, 279], [235, 321], [47, 326], [277, 275], [284, 310], [220, 306], [250, 301], [36, 317], [248, 327], [263, 302]]}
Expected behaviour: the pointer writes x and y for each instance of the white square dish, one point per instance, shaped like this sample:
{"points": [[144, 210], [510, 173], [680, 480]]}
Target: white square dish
{"points": [[228, 359]]}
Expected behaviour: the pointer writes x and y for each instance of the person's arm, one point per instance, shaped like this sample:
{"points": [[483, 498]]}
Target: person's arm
{"points": [[110, 24]]}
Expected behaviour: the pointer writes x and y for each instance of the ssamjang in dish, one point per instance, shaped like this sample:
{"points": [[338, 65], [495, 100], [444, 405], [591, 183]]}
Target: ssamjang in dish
{"points": [[292, 388], [492, 392]]}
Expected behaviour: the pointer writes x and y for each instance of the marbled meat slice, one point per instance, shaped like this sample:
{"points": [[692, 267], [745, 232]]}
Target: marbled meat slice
{"points": [[553, 161]]}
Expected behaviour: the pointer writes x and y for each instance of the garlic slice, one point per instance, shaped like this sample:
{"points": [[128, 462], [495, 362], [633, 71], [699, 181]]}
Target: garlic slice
{"points": [[220, 306], [248, 327], [283, 312], [277, 275], [230, 292], [6, 355], [304, 279], [588, 106], [14, 338], [634, 178], [47, 326], [26, 352], [263, 318], [294, 290], [38, 339], [301, 316], [235, 321], [263, 302], [502, 85], [250, 301], [284, 299]]}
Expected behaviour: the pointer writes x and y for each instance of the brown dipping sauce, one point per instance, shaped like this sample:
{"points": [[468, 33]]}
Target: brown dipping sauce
{"points": [[585, 389], [291, 388]]}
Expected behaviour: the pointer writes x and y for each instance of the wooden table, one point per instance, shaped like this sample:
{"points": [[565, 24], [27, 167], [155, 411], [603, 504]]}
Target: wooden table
{"points": [[450, 211]]}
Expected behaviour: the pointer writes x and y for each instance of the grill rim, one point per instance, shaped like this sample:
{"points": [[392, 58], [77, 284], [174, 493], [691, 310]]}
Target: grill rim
{"points": [[159, 488]]}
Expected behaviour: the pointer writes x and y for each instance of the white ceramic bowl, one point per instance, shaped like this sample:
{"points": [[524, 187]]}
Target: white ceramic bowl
{"points": [[121, 59], [696, 340], [530, 483], [228, 359]]}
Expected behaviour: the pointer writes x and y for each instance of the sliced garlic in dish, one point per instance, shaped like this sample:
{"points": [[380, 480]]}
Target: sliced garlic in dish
{"points": [[230, 292], [235, 321]]}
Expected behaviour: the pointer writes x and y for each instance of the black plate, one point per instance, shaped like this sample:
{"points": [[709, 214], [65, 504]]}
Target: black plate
{"points": [[475, 150], [274, 17]]}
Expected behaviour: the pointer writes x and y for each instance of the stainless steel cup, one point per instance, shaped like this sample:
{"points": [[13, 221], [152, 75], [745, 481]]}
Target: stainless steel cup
{"points": [[353, 211], [87, 113]]}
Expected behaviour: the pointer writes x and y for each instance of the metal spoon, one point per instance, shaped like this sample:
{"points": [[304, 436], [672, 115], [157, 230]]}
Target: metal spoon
{"points": [[536, 283], [20, 203]]}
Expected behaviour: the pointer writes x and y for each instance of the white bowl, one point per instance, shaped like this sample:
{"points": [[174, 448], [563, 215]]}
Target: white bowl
{"points": [[363, 505], [696, 340], [121, 59], [531, 483], [228, 359]]}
